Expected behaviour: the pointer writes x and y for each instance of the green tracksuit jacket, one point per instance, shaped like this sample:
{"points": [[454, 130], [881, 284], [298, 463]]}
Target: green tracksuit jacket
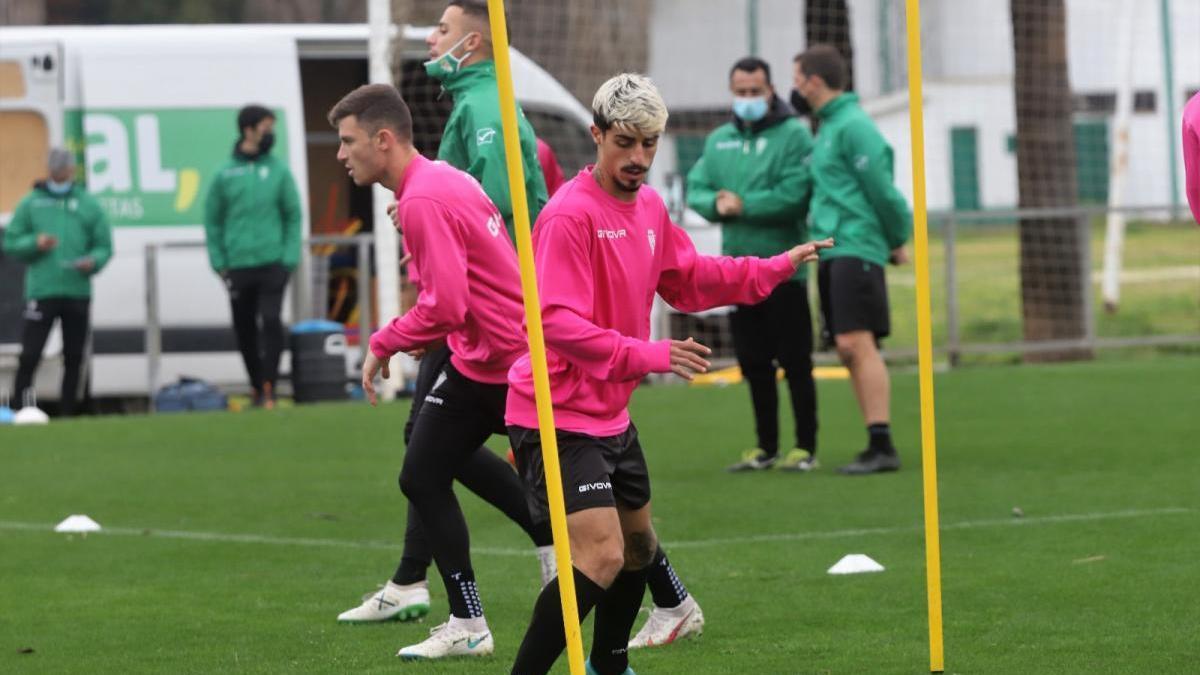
{"points": [[252, 214], [764, 164], [473, 141], [82, 230], [854, 198]]}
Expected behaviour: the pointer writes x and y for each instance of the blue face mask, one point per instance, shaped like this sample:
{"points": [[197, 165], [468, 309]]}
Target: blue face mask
{"points": [[59, 188], [750, 108]]}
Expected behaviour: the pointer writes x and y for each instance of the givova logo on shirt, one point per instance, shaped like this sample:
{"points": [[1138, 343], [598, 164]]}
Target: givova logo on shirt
{"points": [[592, 487], [611, 234]]}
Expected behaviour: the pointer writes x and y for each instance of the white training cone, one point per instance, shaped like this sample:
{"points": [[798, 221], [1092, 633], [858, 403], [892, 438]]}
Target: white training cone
{"points": [[77, 523], [30, 415], [855, 563]]}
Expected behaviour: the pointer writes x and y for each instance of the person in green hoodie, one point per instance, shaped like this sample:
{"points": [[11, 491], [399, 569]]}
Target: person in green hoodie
{"points": [[252, 228], [460, 57], [61, 233], [856, 202], [752, 179]]}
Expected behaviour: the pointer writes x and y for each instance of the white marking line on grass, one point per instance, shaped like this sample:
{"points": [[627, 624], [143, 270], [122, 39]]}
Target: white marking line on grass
{"points": [[700, 543]]}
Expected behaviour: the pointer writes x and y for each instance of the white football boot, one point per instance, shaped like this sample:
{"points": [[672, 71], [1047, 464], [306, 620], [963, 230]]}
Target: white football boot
{"points": [[392, 602], [456, 637], [666, 625]]}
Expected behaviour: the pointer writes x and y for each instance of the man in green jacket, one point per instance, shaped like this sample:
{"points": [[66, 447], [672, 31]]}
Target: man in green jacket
{"points": [[855, 202], [460, 57], [252, 227], [61, 233], [752, 179]]}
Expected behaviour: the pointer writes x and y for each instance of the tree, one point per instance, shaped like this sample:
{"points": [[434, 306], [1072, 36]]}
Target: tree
{"points": [[1051, 248]]}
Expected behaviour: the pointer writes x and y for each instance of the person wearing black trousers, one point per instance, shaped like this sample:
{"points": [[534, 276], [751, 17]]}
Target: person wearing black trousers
{"points": [[61, 233]]}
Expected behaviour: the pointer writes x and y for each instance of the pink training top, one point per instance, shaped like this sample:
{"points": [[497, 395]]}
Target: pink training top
{"points": [[599, 263], [1191, 153], [470, 284]]}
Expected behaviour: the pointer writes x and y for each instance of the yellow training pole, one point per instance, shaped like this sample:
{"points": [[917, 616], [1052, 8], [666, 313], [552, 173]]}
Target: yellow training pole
{"points": [[933, 555], [537, 344]]}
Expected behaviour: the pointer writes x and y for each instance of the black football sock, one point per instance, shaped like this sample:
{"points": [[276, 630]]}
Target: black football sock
{"points": [[462, 594], [881, 438], [665, 586], [545, 638], [615, 615]]}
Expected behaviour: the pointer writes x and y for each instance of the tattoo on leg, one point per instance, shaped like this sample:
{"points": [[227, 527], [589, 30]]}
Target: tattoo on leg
{"points": [[639, 552]]}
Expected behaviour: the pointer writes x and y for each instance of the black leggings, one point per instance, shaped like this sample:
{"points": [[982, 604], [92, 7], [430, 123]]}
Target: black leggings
{"points": [[441, 452], [778, 329], [256, 297], [72, 313]]}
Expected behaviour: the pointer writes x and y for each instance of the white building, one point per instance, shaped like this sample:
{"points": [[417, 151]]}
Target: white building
{"points": [[968, 85]]}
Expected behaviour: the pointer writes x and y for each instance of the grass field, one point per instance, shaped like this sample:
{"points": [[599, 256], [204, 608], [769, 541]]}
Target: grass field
{"points": [[1160, 289], [235, 539]]}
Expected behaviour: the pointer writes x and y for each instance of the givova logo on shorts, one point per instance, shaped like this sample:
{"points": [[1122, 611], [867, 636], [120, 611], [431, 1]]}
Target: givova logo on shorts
{"points": [[592, 487]]}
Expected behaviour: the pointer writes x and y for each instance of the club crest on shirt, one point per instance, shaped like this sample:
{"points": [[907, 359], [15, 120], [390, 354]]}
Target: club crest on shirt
{"points": [[650, 237], [493, 225]]}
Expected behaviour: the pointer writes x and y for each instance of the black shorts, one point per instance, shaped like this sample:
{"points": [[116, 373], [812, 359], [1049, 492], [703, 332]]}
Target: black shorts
{"points": [[597, 472], [853, 297]]}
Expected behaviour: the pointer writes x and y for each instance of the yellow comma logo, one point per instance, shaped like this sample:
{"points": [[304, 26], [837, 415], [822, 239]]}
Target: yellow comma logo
{"points": [[189, 187]]}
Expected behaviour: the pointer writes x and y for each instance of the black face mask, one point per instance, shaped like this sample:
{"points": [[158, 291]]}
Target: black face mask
{"points": [[800, 103], [265, 143]]}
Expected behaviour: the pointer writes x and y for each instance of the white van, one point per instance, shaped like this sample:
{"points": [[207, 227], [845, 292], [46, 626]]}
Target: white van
{"points": [[151, 112]]}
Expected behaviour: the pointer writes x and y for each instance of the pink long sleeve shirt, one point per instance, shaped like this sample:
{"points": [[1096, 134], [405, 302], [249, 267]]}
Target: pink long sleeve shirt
{"points": [[470, 290], [1191, 153], [599, 263]]}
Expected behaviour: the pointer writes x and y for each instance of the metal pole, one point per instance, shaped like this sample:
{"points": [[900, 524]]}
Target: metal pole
{"points": [[387, 247], [153, 327], [949, 239], [1114, 239], [1169, 111], [364, 297], [1084, 223], [752, 26], [933, 549]]}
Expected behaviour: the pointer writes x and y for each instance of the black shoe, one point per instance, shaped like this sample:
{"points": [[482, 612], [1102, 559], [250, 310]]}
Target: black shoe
{"points": [[871, 461]]}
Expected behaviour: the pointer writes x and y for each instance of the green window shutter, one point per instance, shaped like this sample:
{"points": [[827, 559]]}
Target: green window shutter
{"points": [[964, 168], [688, 149], [1091, 160]]}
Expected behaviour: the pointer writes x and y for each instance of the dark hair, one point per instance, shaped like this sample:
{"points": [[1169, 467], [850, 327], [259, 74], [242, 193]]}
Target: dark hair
{"points": [[751, 64], [375, 106], [826, 62], [476, 8], [250, 116]]}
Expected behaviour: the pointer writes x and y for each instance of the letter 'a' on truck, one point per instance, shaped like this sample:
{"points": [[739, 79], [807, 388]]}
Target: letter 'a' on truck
{"points": [[150, 112]]}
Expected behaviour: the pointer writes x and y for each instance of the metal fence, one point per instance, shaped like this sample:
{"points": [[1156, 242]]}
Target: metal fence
{"points": [[975, 259], [310, 292], [975, 270]]}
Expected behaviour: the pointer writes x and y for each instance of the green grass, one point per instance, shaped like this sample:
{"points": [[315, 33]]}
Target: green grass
{"points": [[1112, 592], [989, 286]]}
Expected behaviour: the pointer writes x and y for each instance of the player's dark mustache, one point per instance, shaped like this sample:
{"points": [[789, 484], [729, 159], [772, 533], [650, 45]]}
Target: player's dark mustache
{"points": [[635, 167]]}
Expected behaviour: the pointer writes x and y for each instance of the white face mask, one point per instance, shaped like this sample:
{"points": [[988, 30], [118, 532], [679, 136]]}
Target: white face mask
{"points": [[57, 187]]}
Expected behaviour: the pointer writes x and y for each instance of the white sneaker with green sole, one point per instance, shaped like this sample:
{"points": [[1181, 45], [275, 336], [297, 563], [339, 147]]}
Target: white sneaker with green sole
{"points": [[393, 602]]}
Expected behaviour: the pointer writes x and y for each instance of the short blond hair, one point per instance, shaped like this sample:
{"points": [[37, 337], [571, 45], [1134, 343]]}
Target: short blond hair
{"points": [[630, 101]]}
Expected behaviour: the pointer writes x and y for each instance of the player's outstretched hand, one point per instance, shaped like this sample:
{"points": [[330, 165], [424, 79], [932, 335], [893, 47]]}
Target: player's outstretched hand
{"points": [[806, 253], [687, 358], [373, 365]]}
